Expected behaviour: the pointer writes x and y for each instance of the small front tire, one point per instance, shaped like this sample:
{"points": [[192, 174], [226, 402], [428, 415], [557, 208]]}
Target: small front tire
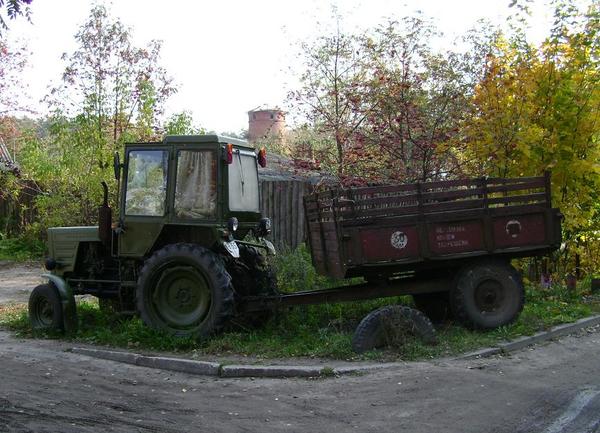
{"points": [[45, 309]]}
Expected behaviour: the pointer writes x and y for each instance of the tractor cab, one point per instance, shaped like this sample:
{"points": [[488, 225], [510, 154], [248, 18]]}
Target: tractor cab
{"points": [[188, 187]]}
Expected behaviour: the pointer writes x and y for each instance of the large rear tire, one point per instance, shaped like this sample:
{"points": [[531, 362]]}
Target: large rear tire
{"points": [[487, 295], [183, 289], [45, 309]]}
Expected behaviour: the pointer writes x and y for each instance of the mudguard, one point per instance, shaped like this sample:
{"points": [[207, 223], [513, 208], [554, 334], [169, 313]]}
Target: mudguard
{"points": [[232, 248], [68, 302]]}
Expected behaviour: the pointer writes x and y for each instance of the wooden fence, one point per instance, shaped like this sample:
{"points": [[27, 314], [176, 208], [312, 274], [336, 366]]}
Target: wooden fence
{"points": [[281, 200]]}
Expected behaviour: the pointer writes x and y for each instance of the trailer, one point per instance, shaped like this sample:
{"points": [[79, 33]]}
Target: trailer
{"points": [[447, 243]]}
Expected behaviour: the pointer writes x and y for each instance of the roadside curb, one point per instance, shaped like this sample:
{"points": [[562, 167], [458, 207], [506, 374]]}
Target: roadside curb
{"points": [[216, 369], [523, 342], [205, 368]]}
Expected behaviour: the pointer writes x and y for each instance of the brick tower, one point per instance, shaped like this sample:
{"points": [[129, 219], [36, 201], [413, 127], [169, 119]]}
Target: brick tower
{"points": [[266, 123]]}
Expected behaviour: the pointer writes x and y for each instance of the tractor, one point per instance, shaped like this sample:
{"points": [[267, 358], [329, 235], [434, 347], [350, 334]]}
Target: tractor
{"points": [[188, 242]]}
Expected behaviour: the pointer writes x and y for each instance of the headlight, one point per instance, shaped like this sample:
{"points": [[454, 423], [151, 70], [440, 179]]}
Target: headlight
{"points": [[264, 227], [232, 224], [50, 264]]}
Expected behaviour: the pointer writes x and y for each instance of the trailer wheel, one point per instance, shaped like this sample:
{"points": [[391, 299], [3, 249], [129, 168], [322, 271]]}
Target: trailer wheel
{"points": [[436, 306], [184, 289], [45, 309], [487, 295], [391, 326]]}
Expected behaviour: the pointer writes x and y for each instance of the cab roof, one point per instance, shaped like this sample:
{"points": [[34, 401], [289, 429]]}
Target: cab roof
{"points": [[191, 139]]}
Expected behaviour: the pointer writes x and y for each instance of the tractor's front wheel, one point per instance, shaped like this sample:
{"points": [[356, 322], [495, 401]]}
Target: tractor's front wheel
{"points": [[45, 309], [184, 289]]}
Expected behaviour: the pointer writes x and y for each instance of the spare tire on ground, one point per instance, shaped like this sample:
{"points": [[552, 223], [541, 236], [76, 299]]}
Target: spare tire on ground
{"points": [[392, 326]]}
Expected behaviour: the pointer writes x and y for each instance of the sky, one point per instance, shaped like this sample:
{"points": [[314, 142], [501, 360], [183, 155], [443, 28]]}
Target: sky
{"points": [[228, 57]]}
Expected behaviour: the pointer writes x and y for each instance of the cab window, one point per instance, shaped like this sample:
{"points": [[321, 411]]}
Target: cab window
{"points": [[146, 182], [196, 187], [243, 182]]}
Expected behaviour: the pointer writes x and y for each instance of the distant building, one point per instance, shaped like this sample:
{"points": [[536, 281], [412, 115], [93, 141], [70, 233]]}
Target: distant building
{"points": [[266, 123]]}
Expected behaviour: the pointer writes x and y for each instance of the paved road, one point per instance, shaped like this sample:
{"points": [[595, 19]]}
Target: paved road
{"points": [[550, 389], [17, 280]]}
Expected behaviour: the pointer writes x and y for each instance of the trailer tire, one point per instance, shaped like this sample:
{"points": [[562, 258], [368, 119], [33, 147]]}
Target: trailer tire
{"points": [[45, 309], [184, 289], [436, 306], [487, 295], [389, 326]]}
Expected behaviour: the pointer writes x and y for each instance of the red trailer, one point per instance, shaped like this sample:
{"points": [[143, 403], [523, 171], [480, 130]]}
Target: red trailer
{"points": [[447, 243]]}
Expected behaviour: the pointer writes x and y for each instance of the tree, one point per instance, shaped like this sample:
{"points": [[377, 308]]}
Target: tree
{"points": [[387, 101], [333, 92], [182, 124], [14, 9], [117, 88], [419, 97], [13, 60], [537, 109]]}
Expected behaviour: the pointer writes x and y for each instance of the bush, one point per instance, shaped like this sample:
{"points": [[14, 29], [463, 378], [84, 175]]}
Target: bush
{"points": [[21, 248], [295, 271]]}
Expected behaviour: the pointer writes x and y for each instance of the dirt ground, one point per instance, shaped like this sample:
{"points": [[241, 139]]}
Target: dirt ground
{"points": [[550, 388], [18, 280]]}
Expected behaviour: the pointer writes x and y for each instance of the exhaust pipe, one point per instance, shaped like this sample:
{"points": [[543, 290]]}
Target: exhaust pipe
{"points": [[105, 219]]}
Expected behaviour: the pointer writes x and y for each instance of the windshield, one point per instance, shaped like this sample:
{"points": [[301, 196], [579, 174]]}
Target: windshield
{"points": [[146, 182], [243, 182]]}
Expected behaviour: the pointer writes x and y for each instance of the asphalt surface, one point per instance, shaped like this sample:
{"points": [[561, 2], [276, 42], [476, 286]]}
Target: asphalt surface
{"points": [[550, 388], [17, 280]]}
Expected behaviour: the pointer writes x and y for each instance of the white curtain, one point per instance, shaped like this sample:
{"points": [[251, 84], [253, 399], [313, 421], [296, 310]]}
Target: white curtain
{"points": [[195, 193]]}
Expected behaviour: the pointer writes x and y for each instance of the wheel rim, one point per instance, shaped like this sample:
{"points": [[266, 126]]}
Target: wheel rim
{"points": [[43, 313], [181, 297], [489, 296]]}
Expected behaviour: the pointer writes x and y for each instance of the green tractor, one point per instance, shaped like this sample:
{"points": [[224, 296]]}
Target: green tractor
{"points": [[188, 243]]}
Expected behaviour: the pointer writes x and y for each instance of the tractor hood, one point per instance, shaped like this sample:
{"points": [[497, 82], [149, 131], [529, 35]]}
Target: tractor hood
{"points": [[63, 243]]}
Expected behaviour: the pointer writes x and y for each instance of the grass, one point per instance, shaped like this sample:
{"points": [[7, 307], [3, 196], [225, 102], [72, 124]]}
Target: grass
{"points": [[314, 331]]}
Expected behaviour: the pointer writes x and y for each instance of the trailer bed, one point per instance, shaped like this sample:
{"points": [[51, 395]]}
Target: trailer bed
{"points": [[386, 229]]}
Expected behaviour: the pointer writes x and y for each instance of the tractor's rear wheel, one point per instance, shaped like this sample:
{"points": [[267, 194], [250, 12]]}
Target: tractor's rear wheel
{"points": [[45, 309], [184, 289]]}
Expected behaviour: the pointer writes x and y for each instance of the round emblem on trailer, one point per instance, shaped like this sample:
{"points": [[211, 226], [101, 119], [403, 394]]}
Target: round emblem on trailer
{"points": [[513, 228], [399, 240]]}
